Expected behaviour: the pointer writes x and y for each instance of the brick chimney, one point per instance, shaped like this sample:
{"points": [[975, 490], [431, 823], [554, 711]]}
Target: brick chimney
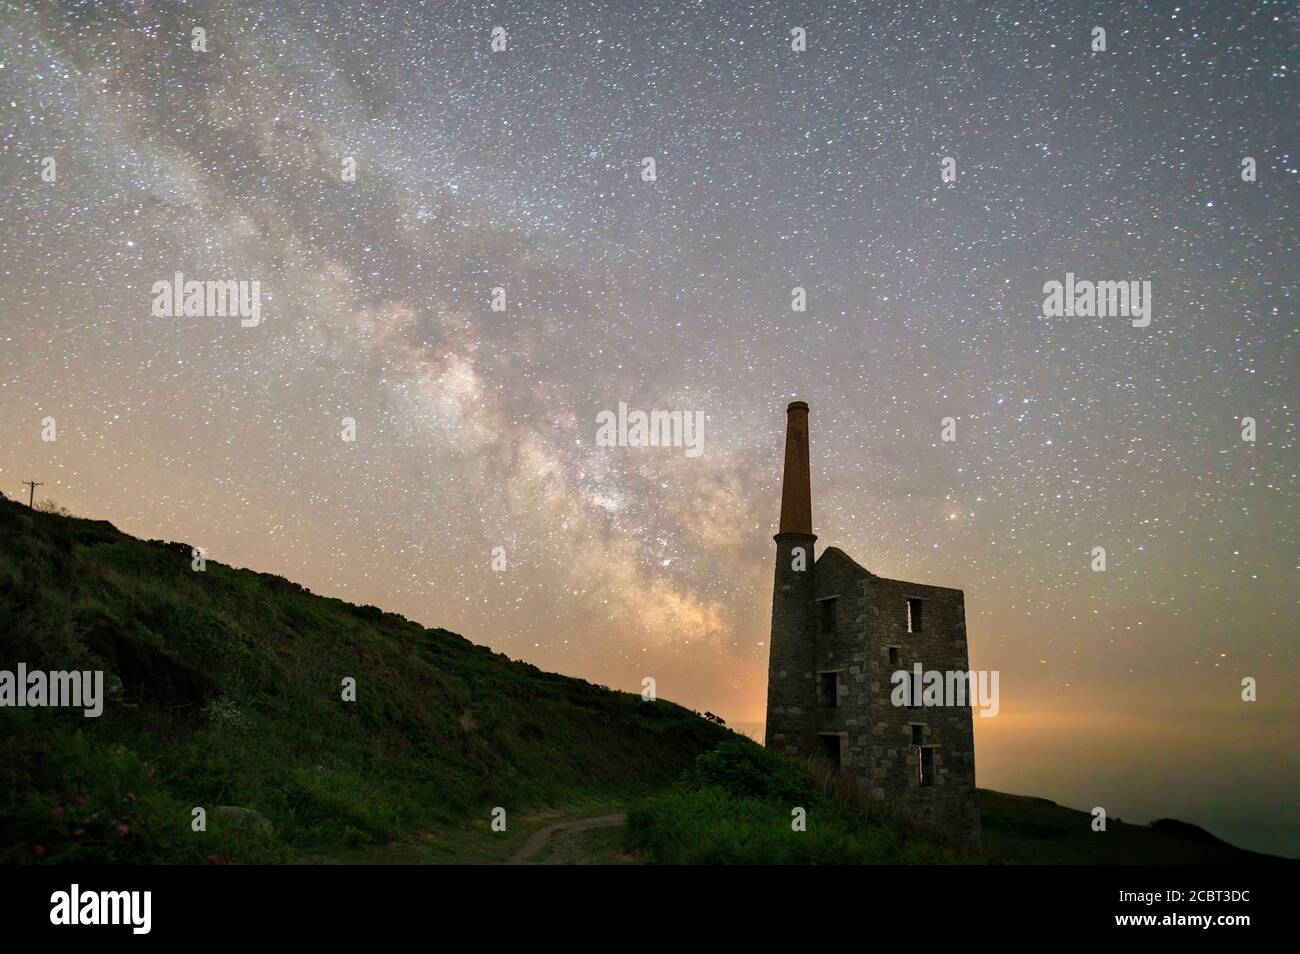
{"points": [[792, 652], [796, 486]]}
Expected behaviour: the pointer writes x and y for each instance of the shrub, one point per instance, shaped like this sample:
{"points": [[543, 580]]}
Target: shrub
{"points": [[736, 806]]}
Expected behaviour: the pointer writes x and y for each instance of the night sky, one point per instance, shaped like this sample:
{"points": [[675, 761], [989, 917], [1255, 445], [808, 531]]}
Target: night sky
{"points": [[821, 169]]}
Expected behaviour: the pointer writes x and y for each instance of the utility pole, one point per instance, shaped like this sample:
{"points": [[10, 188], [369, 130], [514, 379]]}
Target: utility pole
{"points": [[31, 500]]}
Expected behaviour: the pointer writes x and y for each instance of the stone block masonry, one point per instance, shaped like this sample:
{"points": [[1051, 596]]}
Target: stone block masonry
{"points": [[839, 633]]}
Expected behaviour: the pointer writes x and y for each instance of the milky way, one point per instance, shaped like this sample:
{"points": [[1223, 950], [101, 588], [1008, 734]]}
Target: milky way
{"points": [[523, 170]]}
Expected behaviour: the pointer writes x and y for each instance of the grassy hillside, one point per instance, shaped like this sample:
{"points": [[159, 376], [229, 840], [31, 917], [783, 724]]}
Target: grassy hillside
{"points": [[224, 691], [1023, 830], [736, 807], [230, 695]]}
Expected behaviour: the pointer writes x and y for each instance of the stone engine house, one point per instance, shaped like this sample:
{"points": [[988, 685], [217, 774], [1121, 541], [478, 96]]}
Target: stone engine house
{"points": [[839, 633]]}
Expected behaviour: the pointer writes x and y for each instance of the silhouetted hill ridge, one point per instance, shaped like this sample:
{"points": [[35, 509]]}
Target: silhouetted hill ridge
{"points": [[227, 685]]}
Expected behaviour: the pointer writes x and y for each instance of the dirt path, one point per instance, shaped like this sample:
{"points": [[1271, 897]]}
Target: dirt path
{"points": [[567, 850]]}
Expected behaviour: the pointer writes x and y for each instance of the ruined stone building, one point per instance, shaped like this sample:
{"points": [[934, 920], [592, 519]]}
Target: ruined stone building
{"points": [[839, 633]]}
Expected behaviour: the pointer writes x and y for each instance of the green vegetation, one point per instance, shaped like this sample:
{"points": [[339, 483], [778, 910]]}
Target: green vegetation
{"points": [[735, 807], [230, 695], [1023, 830], [603, 846], [225, 690]]}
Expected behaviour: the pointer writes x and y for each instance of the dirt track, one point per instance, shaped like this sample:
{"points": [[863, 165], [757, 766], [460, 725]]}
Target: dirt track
{"points": [[567, 849]]}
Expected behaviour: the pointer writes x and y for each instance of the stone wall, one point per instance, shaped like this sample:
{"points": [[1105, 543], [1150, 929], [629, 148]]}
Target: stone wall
{"points": [[949, 802], [878, 741], [791, 683]]}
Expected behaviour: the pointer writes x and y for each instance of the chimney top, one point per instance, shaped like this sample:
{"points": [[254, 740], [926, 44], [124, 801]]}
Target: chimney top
{"points": [[796, 489]]}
